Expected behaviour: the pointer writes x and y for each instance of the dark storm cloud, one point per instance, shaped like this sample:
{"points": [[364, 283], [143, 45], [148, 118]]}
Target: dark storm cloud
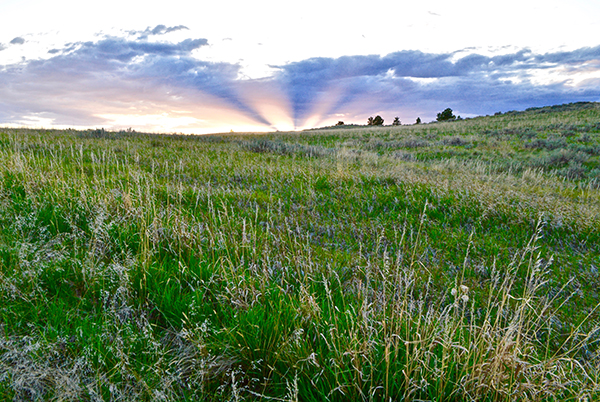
{"points": [[17, 41]]}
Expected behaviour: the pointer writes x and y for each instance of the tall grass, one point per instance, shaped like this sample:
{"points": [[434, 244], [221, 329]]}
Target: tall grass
{"points": [[301, 266]]}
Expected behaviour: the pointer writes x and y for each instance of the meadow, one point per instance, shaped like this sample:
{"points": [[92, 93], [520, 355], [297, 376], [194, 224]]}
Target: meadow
{"points": [[454, 261]]}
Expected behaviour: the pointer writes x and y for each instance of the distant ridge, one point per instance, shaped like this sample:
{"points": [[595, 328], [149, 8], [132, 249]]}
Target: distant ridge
{"points": [[565, 107]]}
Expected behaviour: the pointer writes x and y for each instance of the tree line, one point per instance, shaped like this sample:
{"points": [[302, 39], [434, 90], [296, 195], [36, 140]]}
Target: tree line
{"points": [[445, 115]]}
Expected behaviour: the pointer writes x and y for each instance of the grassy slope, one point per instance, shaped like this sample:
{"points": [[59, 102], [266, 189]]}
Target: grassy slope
{"points": [[442, 261]]}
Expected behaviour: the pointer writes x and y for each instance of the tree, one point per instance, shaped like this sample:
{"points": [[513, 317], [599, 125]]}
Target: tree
{"points": [[418, 120], [378, 121], [446, 115], [340, 123], [396, 121]]}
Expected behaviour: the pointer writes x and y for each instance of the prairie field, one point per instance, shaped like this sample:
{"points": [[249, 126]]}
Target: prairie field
{"points": [[454, 261]]}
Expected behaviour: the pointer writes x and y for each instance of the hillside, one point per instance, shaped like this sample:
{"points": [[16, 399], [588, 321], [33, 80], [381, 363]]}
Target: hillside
{"points": [[447, 261]]}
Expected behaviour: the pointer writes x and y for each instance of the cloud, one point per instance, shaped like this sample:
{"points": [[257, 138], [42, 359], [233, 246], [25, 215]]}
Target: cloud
{"points": [[473, 82], [158, 30], [576, 56], [116, 71], [69, 47], [17, 41], [217, 79], [84, 82], [124, 51]]}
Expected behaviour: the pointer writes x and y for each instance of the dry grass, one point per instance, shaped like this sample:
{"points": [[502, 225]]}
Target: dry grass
{"points": [[333, 265]]}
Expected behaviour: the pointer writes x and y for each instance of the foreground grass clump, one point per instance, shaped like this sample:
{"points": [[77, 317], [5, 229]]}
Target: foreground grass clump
{"points": [[443, 262]]}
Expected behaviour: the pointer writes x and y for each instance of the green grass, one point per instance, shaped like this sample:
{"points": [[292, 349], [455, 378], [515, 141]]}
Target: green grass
{"points": [[443, 262]]}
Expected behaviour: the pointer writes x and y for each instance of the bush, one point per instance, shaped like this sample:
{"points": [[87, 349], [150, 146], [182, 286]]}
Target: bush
{"points": [[575, 171], [454, 141], [559, 158], [548, 143]]}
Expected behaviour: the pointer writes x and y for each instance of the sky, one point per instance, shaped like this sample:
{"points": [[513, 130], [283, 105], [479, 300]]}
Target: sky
{"points": [[198, 67]]}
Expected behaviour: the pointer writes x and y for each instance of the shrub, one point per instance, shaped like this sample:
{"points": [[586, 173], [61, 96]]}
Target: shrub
{"points": [[559, 158], [548, 143], [454, 141], [574, 171]]}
